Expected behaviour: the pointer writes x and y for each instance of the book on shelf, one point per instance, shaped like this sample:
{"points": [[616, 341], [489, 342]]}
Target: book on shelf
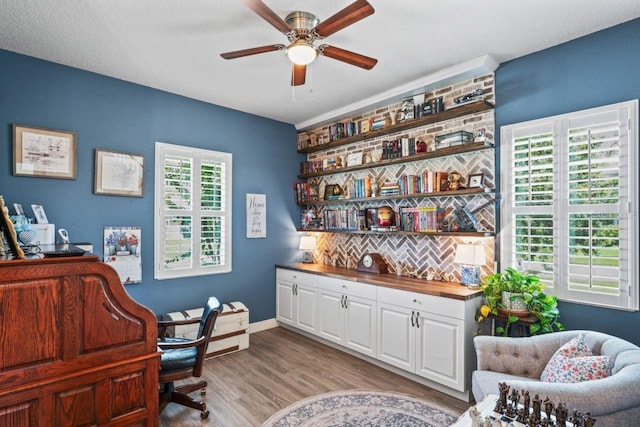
{"points": [[305, 192]]}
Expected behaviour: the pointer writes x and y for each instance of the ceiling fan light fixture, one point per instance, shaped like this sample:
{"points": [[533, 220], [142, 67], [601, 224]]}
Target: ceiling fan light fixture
{"points": [[302, 52]]}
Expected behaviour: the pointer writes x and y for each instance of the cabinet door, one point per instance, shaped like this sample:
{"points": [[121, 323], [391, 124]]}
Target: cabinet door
{"points": [[305, 308], [440, 346], [396, 336], [284, 301], [360, 325], [331, 316]]}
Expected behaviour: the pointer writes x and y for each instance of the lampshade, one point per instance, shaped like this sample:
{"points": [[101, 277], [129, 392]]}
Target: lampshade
{"points": [[301, 52], [307, 243], [470, 254]]}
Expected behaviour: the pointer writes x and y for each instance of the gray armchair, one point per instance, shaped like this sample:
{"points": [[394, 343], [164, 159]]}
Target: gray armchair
{"points": [[613, 401]]}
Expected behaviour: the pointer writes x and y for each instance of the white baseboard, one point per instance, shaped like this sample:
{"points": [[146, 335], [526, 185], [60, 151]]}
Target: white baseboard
{"points": [[263, 325]]}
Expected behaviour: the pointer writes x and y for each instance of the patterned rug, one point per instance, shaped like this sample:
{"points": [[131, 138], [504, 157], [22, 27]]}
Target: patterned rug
{"points": [[361, 408]]}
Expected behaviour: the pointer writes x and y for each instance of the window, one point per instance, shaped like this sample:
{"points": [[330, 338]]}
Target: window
{"points": [[192, 212], [570, 189]]}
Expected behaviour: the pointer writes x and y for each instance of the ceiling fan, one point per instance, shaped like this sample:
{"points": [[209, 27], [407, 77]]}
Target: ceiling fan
{"points": [[302, 29]]}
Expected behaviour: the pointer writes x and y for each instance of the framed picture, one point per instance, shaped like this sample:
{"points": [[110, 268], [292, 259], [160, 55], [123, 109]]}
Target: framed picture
{"points": [[476, 181], [41, 152], [18, 208], [256, 216], [332, 192], [6, 227], [119, 174], [38, 213], [123, 252], [354, 159]]}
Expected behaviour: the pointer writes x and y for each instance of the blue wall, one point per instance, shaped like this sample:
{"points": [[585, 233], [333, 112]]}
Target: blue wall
{"points": [[112, 114], [599, 69]]}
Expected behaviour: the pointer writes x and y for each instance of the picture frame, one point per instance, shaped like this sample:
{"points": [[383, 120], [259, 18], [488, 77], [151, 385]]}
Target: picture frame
{"points": [[6, 228], [332, 192], [354, 159], [18, 208], [45, 153], [38, 213], [118, 173], [476, 181]]}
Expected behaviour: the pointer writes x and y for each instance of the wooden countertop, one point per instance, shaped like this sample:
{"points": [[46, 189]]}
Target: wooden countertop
{"points": [[430, 287]]}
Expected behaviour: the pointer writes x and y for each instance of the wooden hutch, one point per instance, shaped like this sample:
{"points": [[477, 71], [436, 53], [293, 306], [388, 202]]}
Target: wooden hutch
{"points": [[75, 349]]}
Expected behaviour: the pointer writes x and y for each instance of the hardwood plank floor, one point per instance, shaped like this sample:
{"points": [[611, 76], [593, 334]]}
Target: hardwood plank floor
{"points": [[281, 367]]}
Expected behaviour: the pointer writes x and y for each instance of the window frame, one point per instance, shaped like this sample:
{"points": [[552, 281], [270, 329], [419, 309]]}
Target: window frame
{"points": [[626, 113], [162, 151]]}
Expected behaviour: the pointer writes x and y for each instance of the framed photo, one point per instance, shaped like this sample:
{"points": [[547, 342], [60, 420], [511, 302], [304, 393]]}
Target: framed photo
{"points": [[256, 216], [119, 174], [476, 181], [38, 213], [42, 152], [18, 208], [332, 192], [354, 159]]}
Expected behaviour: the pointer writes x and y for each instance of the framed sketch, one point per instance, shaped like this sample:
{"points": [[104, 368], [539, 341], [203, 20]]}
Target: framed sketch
{"points": [[119, 174], [38, 213], [42, 152], [476, 180], [332, 191]]}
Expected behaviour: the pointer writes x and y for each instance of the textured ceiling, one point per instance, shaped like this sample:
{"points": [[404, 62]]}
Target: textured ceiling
{"points": [[175, 45]]}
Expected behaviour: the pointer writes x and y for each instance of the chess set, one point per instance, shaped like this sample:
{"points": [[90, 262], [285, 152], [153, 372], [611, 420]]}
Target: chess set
{"points": [[518, 409]]}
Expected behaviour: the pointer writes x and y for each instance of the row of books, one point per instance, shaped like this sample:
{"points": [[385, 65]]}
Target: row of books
{"points": [[401, 147], [413, 219], [360, 188], [305, 192], [390, 188], [421, 219], [427, 182], [311, 167]]}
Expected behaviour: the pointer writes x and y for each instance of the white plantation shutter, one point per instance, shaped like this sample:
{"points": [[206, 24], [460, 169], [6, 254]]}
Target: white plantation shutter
{"points": [[193, 212], [570, 203]]}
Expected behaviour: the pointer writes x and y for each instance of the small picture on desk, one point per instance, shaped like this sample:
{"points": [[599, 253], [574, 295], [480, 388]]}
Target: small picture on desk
{"points": [[476, 181]]}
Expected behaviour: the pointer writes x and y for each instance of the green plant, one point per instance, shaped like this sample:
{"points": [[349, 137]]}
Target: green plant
{"points": [[543, 306]]}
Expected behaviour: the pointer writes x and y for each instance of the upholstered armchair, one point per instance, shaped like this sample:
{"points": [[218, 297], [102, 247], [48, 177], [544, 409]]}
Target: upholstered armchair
{"points": [[519, 362]]}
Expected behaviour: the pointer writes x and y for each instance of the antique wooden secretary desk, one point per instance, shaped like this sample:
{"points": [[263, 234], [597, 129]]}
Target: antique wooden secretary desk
{"points": [[75, 349]]}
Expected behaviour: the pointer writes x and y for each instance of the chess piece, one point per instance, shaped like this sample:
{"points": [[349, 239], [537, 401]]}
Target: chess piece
{"points": [[527, 400], [537, 402], [504, 389], [473, 414], [589, 421], [561, 415], [548, 407], [521, 416]]}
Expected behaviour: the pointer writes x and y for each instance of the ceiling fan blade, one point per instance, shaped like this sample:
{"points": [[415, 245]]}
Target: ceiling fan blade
{"points": [[268, 15], [251, 51], [298, 75], [347, 16], [349, 57]]}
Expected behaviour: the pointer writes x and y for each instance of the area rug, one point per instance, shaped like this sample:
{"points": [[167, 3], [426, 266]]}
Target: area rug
{"points": [[361, 408]]}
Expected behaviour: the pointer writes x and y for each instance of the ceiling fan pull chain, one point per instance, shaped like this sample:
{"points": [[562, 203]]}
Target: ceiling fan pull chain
{"points": [[293, 94]]}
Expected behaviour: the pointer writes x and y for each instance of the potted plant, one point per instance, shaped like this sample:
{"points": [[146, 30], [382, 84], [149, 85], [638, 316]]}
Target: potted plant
{"points": [[524, 296]]}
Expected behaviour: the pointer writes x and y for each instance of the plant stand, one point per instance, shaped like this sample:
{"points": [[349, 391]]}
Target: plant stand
{"points": [[521, 327]]}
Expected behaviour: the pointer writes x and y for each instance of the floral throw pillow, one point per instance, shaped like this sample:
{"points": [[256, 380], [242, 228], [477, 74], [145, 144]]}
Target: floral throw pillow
{"points": [[574, 362]]}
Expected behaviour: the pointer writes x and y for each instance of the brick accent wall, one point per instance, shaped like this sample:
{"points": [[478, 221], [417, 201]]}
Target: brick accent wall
{"points": [[411, 253]]}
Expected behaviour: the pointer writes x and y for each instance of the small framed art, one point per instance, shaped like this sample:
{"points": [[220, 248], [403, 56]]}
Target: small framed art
{"points": [[476, 181], [38, 213], [119, 174], [46, 153]]}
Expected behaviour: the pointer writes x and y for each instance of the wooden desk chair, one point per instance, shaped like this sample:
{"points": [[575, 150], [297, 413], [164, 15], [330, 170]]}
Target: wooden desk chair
{"points": [[183, 358]]}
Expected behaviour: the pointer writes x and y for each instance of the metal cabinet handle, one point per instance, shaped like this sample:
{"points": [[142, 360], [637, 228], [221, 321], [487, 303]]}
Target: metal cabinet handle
{"points": [[346, 302], [417, 319], [412, 314]]}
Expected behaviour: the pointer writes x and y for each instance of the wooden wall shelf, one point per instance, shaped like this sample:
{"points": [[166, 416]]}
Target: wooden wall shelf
{"points": [[405, 233], [451, 113], [443, 152], [464, 192]]}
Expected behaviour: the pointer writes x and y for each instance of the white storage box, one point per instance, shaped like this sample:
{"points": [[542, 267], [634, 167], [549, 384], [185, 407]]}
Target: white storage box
{"points": [[230, 332], [45, 234]]}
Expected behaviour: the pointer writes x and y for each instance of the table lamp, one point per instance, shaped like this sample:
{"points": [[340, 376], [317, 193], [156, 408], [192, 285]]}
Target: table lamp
{"points": [[307, 245], [471, 257]]}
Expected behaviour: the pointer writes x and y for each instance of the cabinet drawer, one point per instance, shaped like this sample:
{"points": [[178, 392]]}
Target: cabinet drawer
{"points": [[347, 287], [297, 277], [422, 302]]}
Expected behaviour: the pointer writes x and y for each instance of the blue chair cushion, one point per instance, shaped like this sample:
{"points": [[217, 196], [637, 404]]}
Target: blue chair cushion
{"points": [[178, 359]]}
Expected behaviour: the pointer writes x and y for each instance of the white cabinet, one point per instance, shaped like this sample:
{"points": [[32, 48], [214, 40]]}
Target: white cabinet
{"points": [[296, 295], [423, 334], [347, 314], [429, 336]]}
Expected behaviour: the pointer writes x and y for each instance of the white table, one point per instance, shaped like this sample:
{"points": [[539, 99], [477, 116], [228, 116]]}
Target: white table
{"points": [[484, 407]]}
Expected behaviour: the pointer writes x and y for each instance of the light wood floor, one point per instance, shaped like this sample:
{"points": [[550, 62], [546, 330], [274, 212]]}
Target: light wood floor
{"points": [[281, 367]]}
